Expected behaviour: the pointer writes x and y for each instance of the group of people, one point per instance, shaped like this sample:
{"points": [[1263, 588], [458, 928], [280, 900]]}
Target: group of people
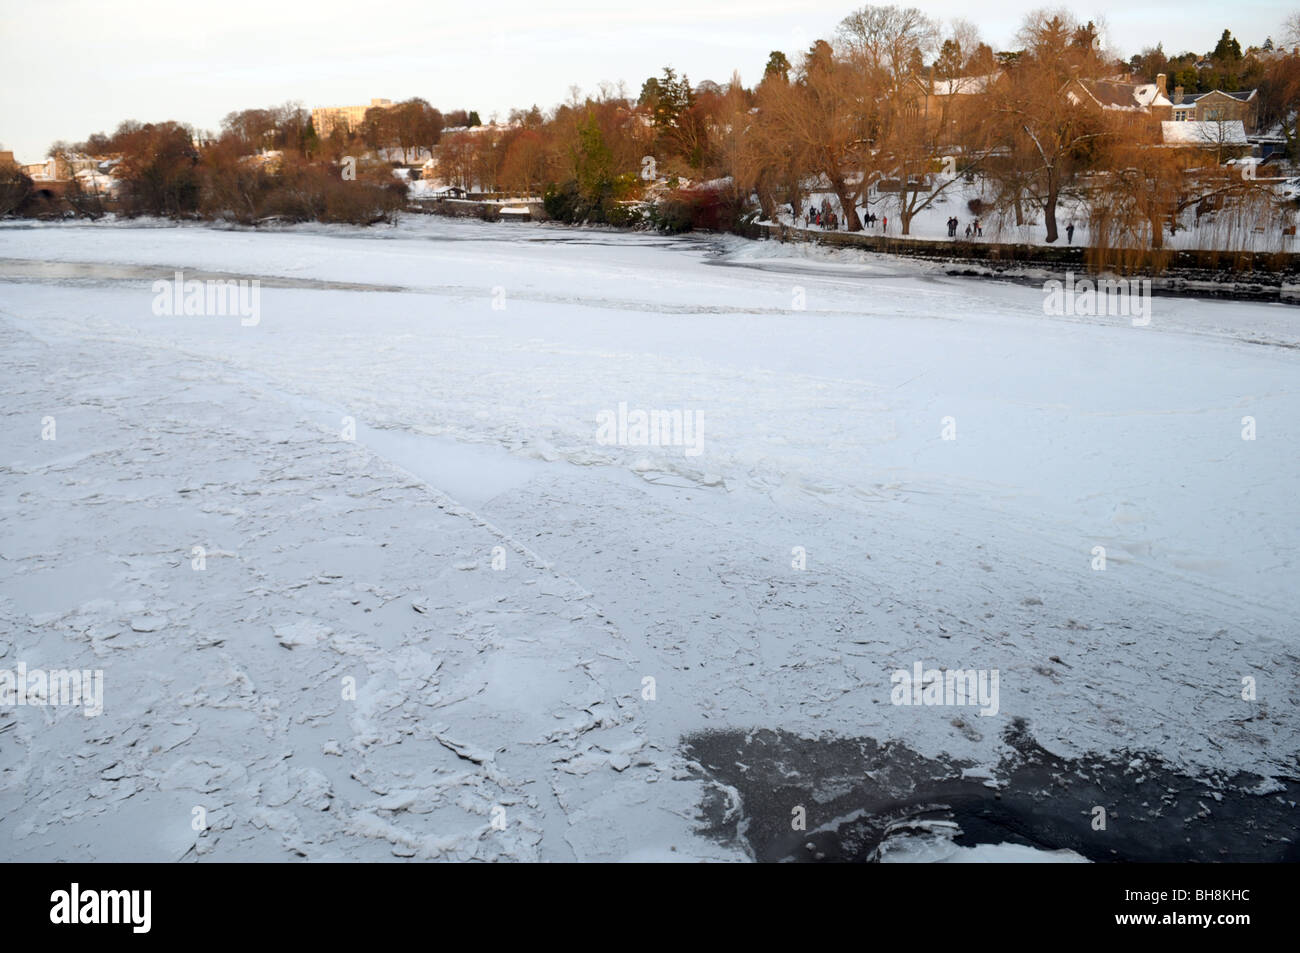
{"points": [[825, 217], [829, 220], [974, 229], [822, 218]]}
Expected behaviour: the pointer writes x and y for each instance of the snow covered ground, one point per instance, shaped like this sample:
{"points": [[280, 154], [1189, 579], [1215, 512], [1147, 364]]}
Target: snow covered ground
{"points": [[418, 404], [1215, 230]]}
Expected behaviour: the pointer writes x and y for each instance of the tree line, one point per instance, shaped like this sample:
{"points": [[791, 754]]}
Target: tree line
{"points": [[853, 116]]}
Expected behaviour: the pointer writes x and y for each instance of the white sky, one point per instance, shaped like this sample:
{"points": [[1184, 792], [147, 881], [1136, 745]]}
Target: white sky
{"points": [[72, 67]]}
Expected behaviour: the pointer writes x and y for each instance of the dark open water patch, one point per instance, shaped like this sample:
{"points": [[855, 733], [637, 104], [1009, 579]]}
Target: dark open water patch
{"points": [[854, 790]]}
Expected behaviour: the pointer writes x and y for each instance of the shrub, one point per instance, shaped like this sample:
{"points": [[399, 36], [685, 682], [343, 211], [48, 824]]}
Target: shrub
{"points": [[627, 215], [15, 189], [716, 210], [299, 191], [159, 172], [564, 203], [84, 203]]}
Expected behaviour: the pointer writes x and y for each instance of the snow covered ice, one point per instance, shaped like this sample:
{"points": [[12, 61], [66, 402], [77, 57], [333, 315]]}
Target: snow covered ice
{"points": [[364, 583]]}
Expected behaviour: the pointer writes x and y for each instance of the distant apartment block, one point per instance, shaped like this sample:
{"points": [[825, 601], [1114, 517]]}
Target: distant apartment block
{"points": [[325, 119]]}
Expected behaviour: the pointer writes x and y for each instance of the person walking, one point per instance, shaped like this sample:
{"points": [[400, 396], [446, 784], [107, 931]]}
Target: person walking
{"points": [[968, 231], [1069, 234], [884, 224]]}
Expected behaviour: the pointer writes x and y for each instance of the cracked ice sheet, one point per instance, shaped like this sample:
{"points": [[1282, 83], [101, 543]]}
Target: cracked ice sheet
{"points": [[223, 686], [821, 431]]}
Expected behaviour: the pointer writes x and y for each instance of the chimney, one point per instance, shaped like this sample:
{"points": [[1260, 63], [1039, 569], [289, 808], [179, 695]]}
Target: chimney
{"points": [[1160, 84], [1178, 95]]}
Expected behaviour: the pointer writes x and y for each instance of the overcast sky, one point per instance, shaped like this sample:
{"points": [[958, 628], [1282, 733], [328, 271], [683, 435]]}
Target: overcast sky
{"points": [[72, 67]]}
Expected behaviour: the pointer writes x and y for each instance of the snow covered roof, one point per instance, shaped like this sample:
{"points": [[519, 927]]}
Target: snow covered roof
{"points": [[1241, 95], [964, 85], [1204, 133], [1110, 94], [1148, 94]]}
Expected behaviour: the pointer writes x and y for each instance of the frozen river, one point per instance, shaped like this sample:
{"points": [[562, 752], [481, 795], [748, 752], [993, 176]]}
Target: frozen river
{"points": [[445, 604]]}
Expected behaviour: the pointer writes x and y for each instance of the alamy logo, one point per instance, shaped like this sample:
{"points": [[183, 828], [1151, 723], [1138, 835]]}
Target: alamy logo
{"points": [[67, 687], [209, 298], [653, 428], [1113, 297], [952, 686], [103, 906]]}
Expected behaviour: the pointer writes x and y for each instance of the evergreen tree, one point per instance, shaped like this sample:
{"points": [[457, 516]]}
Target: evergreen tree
{"points": [[649, 94], [668, 98], [916, 62], [310, 141], [777, 65], [949, 64], [1086, 37], [1228, 50], [593, 161]]}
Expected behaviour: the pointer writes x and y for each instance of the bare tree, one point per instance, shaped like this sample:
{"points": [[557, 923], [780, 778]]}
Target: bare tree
{"points": [[927, 154], [1049, 135], [822, 116], [884, 41], [966, 36], [1291, 30]]}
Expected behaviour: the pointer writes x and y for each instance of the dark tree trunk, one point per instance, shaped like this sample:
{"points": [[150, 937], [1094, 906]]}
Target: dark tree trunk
{"points": [[851, 220], [1049, 212]]}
